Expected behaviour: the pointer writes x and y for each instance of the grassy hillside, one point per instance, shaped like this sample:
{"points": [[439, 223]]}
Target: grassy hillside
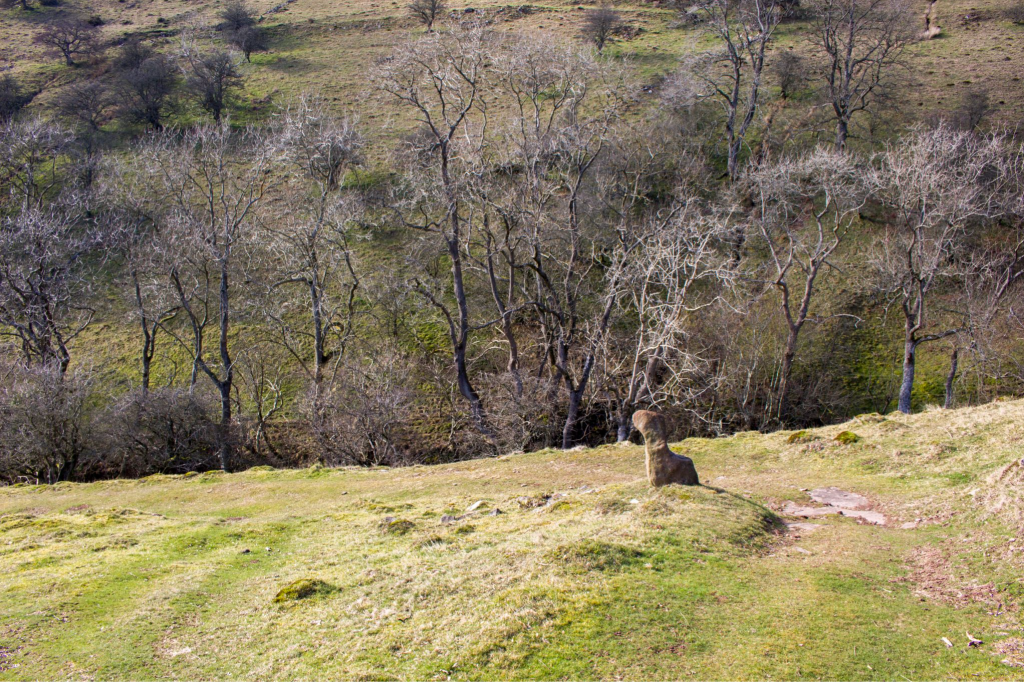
{"points": [[585, 573], [330, 45]]}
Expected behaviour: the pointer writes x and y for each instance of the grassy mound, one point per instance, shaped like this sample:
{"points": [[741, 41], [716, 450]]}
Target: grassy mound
{"points": [[150, 578]]}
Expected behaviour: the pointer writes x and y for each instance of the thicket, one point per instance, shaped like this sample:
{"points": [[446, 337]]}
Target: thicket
{"points": [[501, 282]]}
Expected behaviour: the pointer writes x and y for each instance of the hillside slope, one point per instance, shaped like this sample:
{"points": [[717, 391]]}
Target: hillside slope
{"points": [[585, 573]]}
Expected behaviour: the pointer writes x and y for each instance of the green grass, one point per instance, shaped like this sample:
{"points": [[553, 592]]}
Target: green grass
{"points": [[150, 578]]}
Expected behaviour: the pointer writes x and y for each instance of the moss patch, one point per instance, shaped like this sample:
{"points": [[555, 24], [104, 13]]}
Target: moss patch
{"points": [[304, 589], [391, 526], [847, 438]]}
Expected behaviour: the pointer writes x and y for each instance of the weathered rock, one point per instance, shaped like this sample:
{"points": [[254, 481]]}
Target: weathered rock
{"points": [[663, 466], [448, 518], [874, 517], [794, 509], [840, 498], [476, 505]]}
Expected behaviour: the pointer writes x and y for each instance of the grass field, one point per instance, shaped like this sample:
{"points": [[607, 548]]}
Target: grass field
{"points": [[585, 573]]}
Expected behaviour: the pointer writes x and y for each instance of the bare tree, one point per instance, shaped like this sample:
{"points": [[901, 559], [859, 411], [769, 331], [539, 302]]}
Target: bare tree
{"points": [[599, 25], [211, 79], [863, 43], [69, 38], [249, 39], [85, 106], [85, 103], [313, 239], [441, 79], [368, 410], [43, 284], [805, 209], [261, 390], [146, 91], [555, 143], [31, 165], [214, 182], [678, 269], [734, 73], [134, 211], [166, 430], [427, 11], [935, 182]]}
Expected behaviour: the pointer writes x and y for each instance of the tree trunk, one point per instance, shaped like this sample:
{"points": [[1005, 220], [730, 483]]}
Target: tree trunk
{"points": [[842, 132], [907, 385], [787, 370], [226, 365], [625, 425], [954, 361], [225, 425], [575, 399]]}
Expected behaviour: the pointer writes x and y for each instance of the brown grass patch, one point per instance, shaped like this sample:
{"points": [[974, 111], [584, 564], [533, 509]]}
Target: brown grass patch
{"points": [[933, 578]]}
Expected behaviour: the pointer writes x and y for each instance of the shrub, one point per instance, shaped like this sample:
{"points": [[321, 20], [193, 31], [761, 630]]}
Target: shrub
{"points": [[12, 99], [162, 431], [237, 15], [45, 426]]}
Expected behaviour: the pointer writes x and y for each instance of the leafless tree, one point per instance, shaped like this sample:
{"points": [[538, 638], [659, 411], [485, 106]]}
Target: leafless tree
{"points": [[599, 25], [313, 239], [85, 103], [211, 78], [678, 269], [734, 72], [249, 39], [555, 143], [805, 209], [31, 161], [214, 182], [261, 391], [935, 182], [69, 38], [863, 44], [146, 91], [134, 211], [85, 106], [427, 11], [44, 282], [441, 79]]}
